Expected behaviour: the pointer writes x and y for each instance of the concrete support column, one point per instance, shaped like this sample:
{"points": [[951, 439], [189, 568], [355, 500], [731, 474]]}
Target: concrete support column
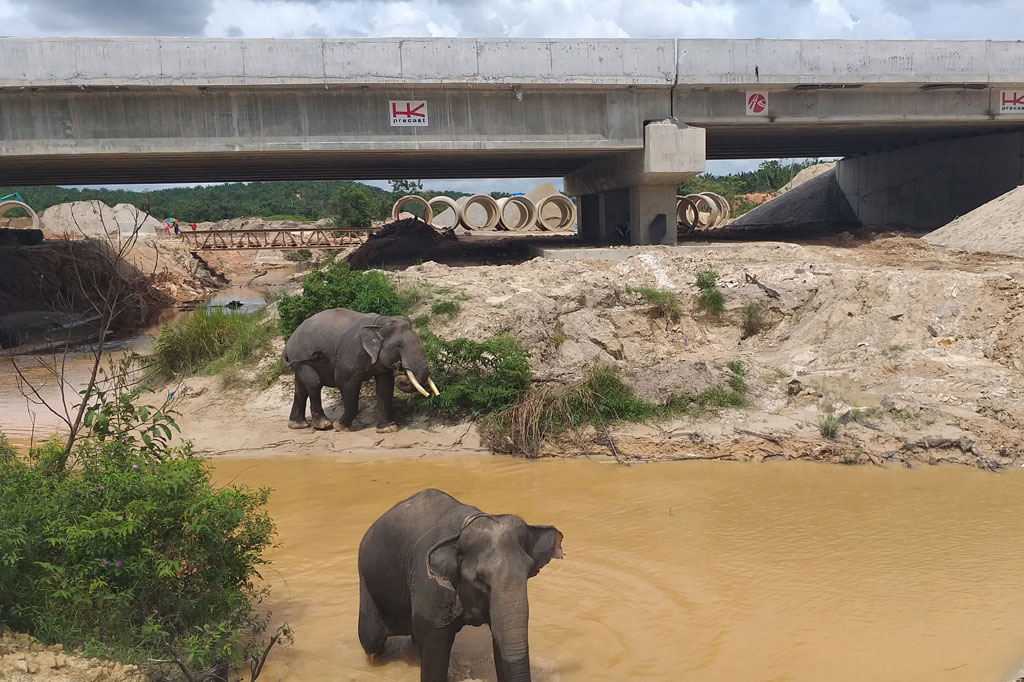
{"points": [[631, 197]]}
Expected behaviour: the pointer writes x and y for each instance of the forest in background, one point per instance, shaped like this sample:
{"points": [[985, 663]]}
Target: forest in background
{"points": [[315, 199]]}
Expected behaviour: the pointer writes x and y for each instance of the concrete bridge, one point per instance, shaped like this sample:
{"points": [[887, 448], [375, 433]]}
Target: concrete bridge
{"points": [[622, 120]]}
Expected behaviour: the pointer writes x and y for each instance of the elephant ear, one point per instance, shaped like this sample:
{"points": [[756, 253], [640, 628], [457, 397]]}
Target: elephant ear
{"points": [[372, 341], [443, 563], [543, 544]]}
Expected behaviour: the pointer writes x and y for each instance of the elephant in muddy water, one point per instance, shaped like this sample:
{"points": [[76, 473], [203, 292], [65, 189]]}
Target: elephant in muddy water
{"points": [[343, 348], [432, 565]]}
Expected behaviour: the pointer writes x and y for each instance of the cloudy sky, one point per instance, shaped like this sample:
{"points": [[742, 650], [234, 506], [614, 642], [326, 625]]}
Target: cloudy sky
{"points": [[947, 19]]}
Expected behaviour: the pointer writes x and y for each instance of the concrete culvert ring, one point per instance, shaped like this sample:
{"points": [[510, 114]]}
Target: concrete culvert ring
{"points": [[524, 215], [447, 218], [687, 215], [396, 210], [723, 206], [704, 205], [565, 217], [8, 205], [490, 207]]}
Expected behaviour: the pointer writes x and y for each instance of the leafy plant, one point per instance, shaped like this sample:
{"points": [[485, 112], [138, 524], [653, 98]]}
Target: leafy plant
{"points": [[298, 255], [476, 378], [445, 308], [354, 207], [707, 278], [664, 303], [828, 426], [558, 339], [338, 286], [710, 299], [266, 377]]}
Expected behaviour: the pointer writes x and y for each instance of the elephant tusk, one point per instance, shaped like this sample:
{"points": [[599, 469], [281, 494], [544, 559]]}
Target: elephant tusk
{"points": [[416, 384], [430, 382]]}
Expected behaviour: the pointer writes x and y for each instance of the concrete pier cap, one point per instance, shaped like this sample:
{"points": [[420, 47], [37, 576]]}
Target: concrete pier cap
{"points": [[631, 197]]}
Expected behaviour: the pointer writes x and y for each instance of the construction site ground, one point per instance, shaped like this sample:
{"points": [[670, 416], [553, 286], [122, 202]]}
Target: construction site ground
{"points": [[914, 350]]}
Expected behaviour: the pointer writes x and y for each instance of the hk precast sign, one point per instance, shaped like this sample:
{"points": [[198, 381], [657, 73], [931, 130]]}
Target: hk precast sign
{"points": [[408, 112], [757, 103], [1011, 102]]}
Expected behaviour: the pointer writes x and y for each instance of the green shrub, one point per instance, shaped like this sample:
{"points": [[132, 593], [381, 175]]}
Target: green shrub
{"points": [[663, 303], [828, 426], [132, 553], [476, 378], [445, 308], [558, 339], [209, 340], [755, 318], [338, 286], [298, 255], [267, 377], [354, 206], [707, 278]]}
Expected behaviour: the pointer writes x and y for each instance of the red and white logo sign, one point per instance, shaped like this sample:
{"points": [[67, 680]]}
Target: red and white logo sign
{"points": [[408, 112], [757, 103], [1011, 102]]}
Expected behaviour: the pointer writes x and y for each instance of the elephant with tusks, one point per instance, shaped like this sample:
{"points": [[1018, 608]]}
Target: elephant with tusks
{"points": [[342, 348]]}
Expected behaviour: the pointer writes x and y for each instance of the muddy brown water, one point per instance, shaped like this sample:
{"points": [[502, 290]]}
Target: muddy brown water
{"points": [[680, 571]]}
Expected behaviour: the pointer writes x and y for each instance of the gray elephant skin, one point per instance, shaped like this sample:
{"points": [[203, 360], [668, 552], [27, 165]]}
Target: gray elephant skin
{"points": [[432, 565], [342, 348]]}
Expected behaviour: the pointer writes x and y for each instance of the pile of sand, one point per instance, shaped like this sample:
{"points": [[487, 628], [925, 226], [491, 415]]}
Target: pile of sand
{"points": [[807, 174], [95, 219], [995, 227]]}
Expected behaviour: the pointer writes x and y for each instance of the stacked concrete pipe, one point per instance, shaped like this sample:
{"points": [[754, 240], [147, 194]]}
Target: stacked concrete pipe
{"points": [[555, 212], [525, 214], [490, 207], [691, 209], [396, 210]]}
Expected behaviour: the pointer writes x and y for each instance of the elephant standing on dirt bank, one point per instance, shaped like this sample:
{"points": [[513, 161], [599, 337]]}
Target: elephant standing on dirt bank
{"points": [[343, 348], [431, 565]]}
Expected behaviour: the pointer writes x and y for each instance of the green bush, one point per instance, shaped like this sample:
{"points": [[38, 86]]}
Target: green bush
{"points": [[445, 308], [663, 303], [476, 378], [208, 340], [828, 426], [354, 206], [298, 255], [338, 286], [131, 554], [710, 299]]}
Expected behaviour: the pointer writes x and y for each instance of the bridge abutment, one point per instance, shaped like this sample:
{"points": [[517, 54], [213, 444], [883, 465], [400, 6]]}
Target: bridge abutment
{"points": [[631, 197], [927, 185]]}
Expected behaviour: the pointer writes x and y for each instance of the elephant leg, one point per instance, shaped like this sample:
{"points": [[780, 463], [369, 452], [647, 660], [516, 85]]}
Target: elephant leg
{"points": [[297, 418], [316, 410], [373, 633], [385, 402], [350, 400], [435, 652]]}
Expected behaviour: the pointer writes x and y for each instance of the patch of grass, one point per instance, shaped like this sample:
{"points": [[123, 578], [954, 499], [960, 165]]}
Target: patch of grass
{"points": [[338, 286], [267, 377], [445, 308], [706, 278], [209, 340], [298, 255], [710, 299], [894, 350], [558, 339], [293, 218], [828, 426], [755, 318], [664, 303], [421, 321]]}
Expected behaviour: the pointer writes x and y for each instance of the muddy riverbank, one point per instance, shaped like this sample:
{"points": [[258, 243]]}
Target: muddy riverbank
{"points": [[699, 571]]}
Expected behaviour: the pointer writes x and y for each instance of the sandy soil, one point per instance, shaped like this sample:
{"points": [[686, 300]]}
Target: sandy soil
{"points": [[914, 349], [24, 659], [994, 227]]}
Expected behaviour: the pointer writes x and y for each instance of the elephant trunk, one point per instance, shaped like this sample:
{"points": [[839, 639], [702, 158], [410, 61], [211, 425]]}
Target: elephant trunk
{"points": [[510, 616], [415, 366]]}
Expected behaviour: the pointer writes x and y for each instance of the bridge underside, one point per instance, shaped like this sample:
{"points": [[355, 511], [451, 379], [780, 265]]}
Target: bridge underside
{"points": [[724, 141]]}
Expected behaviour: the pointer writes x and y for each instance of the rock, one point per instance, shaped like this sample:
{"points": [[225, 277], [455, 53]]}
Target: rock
{"points": [[21, 664], [794, 387], [46, 660]]}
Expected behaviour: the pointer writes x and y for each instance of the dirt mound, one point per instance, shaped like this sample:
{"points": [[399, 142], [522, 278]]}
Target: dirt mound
{"points": [[402, 242], [807, 174], [995, 227], [95, 219]]}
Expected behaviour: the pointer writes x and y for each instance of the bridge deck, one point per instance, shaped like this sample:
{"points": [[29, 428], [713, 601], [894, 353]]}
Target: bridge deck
{"points": [[246, 240]]}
